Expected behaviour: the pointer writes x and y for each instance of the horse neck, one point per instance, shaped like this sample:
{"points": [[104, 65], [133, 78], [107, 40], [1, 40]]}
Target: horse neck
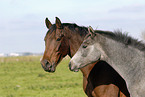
{"points": [[87, 69], [74, 40], [126, 60]]}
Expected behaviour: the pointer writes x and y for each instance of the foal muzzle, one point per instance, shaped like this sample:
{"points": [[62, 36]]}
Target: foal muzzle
{"points": [[73, 68]]}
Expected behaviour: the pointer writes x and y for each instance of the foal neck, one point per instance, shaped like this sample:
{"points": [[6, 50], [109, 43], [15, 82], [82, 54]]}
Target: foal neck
{"points": [[128, 61]]}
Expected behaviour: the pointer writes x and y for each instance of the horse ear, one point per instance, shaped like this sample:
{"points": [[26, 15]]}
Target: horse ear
{"points": [[58, 23], [48, 23], [91, 31]]}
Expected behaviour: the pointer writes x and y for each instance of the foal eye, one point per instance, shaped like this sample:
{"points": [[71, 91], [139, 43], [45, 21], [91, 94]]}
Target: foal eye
{"points": [[84, 46]]}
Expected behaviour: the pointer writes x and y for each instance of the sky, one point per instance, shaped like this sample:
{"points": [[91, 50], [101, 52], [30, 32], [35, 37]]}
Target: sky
{"points": [[22, 26]]}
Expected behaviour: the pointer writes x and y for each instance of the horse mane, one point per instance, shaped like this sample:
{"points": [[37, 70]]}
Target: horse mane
{"points": [[82, 30], [72, 26], [123, 38]]}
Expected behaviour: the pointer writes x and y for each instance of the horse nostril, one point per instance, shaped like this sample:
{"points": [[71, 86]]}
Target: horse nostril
{"points": [[47, 63]]}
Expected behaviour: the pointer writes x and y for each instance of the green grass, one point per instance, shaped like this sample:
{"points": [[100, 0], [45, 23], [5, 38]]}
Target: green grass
{"points": [[24, 77]]}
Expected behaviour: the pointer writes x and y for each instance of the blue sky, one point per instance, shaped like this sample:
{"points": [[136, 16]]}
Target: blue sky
{"points": [[22, 27]]}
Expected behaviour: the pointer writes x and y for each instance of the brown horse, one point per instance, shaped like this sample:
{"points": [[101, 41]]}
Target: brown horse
{"points": [[98, 80]]}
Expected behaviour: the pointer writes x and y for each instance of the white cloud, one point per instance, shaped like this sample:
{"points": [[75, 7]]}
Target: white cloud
{"points": [[130, 9]]}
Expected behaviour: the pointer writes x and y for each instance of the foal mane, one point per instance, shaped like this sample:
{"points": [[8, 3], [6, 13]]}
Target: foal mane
{"points": [[123, 38]]}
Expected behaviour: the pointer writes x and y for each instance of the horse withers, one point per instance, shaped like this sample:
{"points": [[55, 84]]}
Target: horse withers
{"points": [[125, 54], [64, 39]]}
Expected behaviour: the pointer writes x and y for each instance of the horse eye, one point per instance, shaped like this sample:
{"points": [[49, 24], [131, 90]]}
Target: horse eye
{"points": [[84, 46], [58, 39]]}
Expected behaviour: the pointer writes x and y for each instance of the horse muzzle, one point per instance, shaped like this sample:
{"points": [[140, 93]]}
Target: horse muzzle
{"points": [[47, 66]]}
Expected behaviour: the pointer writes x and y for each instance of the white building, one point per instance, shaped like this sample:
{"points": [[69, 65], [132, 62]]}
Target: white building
{"points": [[2, 54], [14, 54]]}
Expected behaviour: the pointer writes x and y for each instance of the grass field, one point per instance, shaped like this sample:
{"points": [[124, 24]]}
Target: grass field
{"points": [[24, 77]]}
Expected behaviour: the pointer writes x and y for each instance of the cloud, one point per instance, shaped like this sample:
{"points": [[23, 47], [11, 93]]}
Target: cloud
{"points": [[129, 9]]}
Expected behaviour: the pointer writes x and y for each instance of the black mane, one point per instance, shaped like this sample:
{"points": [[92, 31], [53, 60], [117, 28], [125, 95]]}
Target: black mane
{"points": [[82, 30], [124, 38]]}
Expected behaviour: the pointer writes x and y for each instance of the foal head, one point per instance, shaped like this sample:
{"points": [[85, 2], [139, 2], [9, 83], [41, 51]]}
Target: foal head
{"points": [[87, 53], [56, 47]]}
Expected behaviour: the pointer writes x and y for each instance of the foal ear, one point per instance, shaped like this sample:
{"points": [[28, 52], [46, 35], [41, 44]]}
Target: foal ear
{"points": [[48, 23], [91, 31], [58, 23]]}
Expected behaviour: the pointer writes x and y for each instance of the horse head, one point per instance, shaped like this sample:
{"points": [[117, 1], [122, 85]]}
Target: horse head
{"points": [[56, 47]]}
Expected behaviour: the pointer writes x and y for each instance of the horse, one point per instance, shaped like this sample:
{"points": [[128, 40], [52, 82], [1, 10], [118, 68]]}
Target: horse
{"points": [[64, 39], [122, 52]]}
